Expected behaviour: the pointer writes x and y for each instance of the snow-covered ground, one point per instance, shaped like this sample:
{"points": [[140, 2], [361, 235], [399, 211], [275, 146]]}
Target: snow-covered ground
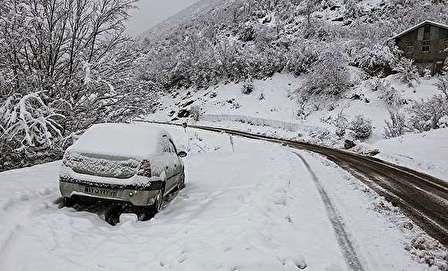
{"points": [[255, 206], [276, 99], [427, 152], [273, 108]]}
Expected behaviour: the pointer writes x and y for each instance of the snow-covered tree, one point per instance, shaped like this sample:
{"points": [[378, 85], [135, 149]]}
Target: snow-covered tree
{"points": [[329, 76], [407, 72]]}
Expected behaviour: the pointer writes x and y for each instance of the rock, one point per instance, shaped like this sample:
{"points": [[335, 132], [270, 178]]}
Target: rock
{"points": [[373, 152], [184, 113], [187, 103], [356, 96], [348, 144], [338, 19], [334, 7]]}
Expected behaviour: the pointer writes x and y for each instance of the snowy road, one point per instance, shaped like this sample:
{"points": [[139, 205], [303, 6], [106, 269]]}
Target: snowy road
{"points": [[422, 197], [257, 208]]}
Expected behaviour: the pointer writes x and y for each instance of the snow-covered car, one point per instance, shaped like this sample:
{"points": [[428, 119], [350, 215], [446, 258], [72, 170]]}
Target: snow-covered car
{"points": [[130, 164]]}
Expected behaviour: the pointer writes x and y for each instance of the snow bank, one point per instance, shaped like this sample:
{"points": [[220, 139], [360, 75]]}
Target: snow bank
{"points": [[288, 126], [426, 152]]}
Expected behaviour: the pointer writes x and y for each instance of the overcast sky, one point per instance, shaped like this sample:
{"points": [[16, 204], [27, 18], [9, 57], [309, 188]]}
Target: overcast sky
{"points": [[152, 12]]}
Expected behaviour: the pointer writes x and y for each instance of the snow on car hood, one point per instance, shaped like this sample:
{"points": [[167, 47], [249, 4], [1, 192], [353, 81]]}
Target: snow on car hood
{"points": [[138, 141]]}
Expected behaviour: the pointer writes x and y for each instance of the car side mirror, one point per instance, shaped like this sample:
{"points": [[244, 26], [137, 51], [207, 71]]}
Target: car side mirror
{"points": [[182, 154]]}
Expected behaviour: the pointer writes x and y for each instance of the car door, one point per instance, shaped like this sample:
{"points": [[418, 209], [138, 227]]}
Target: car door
{"points": [[176, 163], [171, 164], [178, 166]]}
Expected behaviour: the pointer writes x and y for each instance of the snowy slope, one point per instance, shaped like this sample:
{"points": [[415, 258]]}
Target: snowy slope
{"points": [[426, 152], [276, 100], [254, 208]]}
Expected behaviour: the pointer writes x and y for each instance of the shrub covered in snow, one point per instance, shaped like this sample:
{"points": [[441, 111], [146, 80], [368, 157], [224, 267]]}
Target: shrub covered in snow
{"points": [[442, 84], [29, 131], [28, 121], [195, 112], [407, 72], [248, 86], [361, 127], [391, 97], [426, 115], [329, 76], [396, 126], [341, 122], [375, 59], [302, 56]]}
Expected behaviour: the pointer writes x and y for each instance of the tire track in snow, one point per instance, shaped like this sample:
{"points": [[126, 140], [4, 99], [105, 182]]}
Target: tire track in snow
{"points": [[349, 252]]}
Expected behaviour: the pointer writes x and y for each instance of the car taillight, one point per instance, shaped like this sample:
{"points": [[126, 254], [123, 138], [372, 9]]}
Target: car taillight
{"points": [[145, 169]]}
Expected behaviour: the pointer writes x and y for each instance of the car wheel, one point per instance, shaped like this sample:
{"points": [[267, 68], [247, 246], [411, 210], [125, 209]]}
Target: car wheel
{"points": [[157, 206], [66, 202], [112, 215]]}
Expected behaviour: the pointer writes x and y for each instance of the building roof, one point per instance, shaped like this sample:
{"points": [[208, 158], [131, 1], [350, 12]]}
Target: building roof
{"points": [[418, 26]]}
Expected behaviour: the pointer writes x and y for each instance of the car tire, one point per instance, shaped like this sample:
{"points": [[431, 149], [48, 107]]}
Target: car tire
{"points": [[146, 213], [112, 215], [67, 202], [158, 202]]}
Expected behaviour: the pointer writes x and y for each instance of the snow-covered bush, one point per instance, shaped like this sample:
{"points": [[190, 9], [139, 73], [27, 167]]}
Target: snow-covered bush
{"points": [[443, 122], [396, 126], [391, 97], [442, 84], [195, 112], [30, 132], [329, 76], [378, 84], [248, 86], [426, 115], [341, 122], [375, 59], [407, 72], [302, 56], [28, 121], [353, 9], [361, 127]]}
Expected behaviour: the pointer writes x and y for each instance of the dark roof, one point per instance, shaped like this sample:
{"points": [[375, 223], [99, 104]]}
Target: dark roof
{"points": [[418, 26]]}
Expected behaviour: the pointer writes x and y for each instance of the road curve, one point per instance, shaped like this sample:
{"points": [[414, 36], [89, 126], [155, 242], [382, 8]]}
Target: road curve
{"points": [[422, 197]]}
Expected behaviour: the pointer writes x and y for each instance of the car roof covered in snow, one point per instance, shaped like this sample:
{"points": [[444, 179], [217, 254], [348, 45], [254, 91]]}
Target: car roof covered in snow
{"points": [[121, 140]]}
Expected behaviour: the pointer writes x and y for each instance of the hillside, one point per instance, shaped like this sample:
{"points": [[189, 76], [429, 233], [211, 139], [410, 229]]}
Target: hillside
{"points": [[183, 17], [317, 71]]}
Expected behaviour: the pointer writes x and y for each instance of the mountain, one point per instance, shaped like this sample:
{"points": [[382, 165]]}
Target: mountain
{"points": [[183, 17]]}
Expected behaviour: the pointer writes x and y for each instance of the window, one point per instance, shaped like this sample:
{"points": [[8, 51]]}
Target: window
{"points": [[427, 32], [426, 46], [409, 46]]}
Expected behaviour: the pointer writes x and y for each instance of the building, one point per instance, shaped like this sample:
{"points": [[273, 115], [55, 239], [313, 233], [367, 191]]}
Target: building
{"points": [[426, 43]]}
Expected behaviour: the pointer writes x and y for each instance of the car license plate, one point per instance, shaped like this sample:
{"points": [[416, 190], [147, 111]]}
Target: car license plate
{"points": [[100, 192]]}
